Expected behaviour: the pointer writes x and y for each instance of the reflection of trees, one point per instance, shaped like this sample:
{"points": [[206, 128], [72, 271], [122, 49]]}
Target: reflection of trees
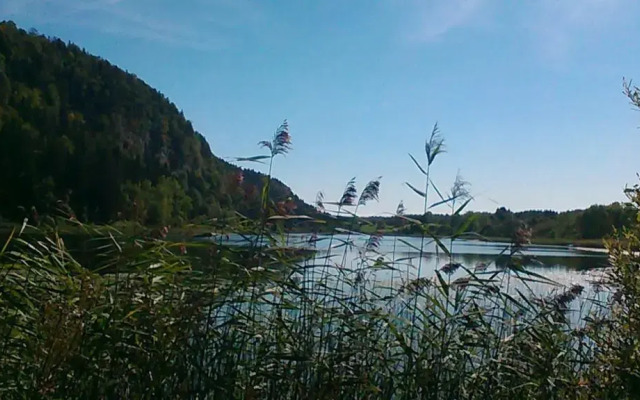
{"points": [[571, 263], [501, 261], [576, 263], [470, 260]]}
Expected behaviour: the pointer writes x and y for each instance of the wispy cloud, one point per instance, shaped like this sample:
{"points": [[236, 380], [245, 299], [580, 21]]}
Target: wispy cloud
{"points": [[197, 24], [10, 8], [554, 28], [433, 19], [557, 25]]}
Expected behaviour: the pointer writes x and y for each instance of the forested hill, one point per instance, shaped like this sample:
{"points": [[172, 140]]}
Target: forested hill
{"points": [[78, 132]]}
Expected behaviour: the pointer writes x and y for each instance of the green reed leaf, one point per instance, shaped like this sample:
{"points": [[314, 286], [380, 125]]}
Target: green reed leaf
{"points": [[419, 192], [418, 164]]}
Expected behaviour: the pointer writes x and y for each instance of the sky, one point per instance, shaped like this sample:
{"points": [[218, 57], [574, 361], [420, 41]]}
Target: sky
{"points": [[527, 94]]}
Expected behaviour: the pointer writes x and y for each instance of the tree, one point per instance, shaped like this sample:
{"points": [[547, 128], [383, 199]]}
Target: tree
{"points": [[94, 131]]}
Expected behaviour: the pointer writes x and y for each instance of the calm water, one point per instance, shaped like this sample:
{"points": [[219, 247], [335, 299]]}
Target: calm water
{"points": [[563, 265]]}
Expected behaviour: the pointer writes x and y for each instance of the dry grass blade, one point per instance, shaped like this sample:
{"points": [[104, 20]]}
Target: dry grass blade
{"points": [[370, 192], [281, 140], [434, 145], [400, 210], [349, 194], [320, 202]]}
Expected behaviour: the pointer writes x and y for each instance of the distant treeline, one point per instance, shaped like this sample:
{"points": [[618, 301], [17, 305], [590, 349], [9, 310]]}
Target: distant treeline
{"points": [[595, 222]]}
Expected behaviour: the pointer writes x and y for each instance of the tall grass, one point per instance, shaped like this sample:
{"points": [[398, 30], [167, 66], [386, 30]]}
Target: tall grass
{"points": [[144, 317]]}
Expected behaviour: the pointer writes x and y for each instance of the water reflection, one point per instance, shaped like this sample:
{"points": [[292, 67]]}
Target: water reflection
{"points": [[414, 257], [395, 262]]}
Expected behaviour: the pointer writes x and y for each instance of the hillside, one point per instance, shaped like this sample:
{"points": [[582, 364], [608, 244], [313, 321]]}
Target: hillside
{"points": [[78, 132]]}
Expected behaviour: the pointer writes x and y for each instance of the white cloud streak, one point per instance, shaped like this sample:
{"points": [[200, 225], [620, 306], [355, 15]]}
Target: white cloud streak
{"points": [[209, 25], [557, 25], [436, 18], [554, 27]]}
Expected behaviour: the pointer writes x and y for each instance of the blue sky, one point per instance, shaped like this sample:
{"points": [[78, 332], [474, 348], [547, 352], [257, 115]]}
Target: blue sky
{"points": [[526, 93]]}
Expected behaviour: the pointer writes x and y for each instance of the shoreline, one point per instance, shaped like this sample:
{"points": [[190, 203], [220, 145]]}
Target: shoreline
{"points": [[591, 245]]}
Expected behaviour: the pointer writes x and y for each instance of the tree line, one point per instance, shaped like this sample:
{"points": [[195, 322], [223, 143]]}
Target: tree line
{"points": [[595, 222]]}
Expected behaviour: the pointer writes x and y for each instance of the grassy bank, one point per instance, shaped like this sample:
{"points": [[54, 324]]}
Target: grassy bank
{"points": [[165, 323]]}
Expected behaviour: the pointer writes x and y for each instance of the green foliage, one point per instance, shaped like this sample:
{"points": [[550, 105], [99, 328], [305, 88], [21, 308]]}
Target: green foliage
{"points": [[616, 369], [90, 130], [163, 204], [596, 222]]}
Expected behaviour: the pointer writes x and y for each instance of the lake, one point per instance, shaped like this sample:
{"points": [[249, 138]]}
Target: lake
{"points": [[385, 266], [563, 265]]}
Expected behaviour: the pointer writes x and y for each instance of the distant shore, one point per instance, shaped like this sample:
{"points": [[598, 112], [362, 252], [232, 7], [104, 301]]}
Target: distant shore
{"points": [[596, 245]]}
